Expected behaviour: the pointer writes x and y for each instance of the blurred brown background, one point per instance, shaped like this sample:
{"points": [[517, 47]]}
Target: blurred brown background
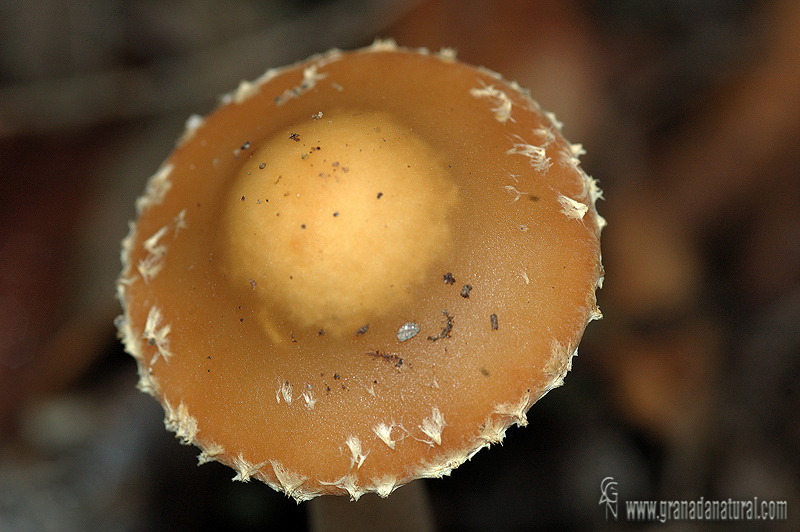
{"points": [[690, 385]]}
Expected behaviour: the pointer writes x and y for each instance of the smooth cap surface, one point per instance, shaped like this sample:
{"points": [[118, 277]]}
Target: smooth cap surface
{"points": [[360, 271]]}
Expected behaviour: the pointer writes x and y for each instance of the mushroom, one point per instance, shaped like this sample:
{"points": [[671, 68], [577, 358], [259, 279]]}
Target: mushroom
{"points": [[360, 270]]}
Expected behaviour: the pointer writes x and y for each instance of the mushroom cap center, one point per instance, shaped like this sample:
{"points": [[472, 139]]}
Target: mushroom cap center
{"points": [[336, 220]]}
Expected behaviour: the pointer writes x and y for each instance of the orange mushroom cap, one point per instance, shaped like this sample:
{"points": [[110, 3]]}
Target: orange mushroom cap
{"points": [[360, 270]]}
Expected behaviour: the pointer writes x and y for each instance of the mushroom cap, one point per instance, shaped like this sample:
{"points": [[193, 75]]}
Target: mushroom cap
{"points": [[360, 270]]}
